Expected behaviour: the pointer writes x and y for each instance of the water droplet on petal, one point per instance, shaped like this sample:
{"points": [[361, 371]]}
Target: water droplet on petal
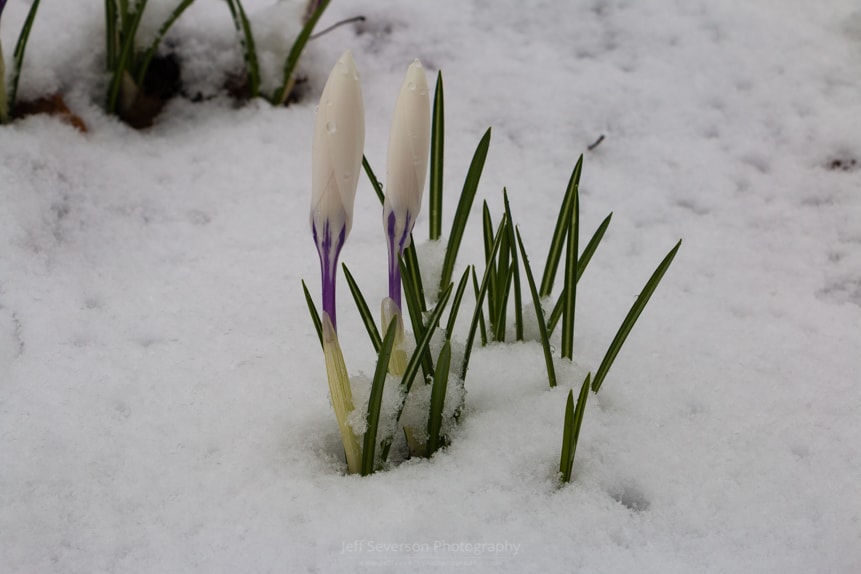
{"points": [[412, 86], [423, 92], [329, 103], [331, 127]]}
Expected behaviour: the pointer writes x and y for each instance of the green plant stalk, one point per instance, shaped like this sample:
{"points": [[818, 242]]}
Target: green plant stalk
{"points": [[479, 311], [315, 316], [364, 311], [375, 183], [488, 236], [414, 309], [375, 400], [479, 301], [582, 263], [539, 314], [111, 34], [436, 161], [341, 394], [571, 430], [499, 322], [280, 95], [18, 54], [455, 305], [126, 54], [558, 240], [515, 271], [632, 316], [4, 104], [503, 285], [440, 385], [243, 26], [569, 304], [150, 53], [461, 216]]}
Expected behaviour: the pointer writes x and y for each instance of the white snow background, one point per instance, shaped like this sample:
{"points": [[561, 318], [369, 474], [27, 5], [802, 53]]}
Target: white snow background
{"points": [[163, 401]]}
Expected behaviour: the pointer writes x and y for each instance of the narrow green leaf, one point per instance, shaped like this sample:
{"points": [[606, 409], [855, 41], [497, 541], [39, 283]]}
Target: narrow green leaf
{"points": [[413, 366], [479, 301], [315, 316], [436, 161], [440, 385], [111, 34], [572, 428], [499, 323], [479, 311], [18, 54], [375, 400], [125, 57], [558, 240], [292, 60], [150, 53], [569, 302], [582, 263], [515, 271], [412, 261], [243, 24], [375, 183], [564, 469], [455, 304], [539, 314], [632, 316], [461, 216], [490, 262], [364, 311], [414, 310]]}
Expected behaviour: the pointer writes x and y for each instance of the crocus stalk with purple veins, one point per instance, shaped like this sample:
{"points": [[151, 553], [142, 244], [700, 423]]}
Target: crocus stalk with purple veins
{"points": [[336, 157], [406, 169]]}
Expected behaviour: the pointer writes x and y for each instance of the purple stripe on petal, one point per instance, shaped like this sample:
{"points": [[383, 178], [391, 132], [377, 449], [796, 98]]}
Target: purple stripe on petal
{"points": [[2, 5], [329, 252]]}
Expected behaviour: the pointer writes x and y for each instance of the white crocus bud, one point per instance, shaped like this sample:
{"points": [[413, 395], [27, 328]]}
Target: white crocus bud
{"points": [[407, 161], [407, 165], [336, 158]]}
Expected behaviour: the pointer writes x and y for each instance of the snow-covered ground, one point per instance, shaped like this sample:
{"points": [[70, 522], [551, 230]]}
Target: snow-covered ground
{"points": [[163, 403]]}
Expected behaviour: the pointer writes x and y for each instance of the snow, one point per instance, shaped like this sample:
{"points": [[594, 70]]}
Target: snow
{"points": [[163, 403]]}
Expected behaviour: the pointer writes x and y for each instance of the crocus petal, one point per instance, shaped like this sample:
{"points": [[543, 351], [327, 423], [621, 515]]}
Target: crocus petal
{"points": [[339, 139]]}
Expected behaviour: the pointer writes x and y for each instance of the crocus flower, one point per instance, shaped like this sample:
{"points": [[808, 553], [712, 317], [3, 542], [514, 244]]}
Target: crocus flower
{"points": [[336, 157], [407, 163]]}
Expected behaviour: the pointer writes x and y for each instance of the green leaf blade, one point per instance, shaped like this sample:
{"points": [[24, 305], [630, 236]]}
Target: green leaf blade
{"points": [[436, 160], [375, 400]]}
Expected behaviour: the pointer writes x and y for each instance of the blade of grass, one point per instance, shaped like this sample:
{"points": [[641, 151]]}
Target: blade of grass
{"points": [[479, 301], [375, 183], [455, 304], [126, 54], [515, 271], [570, 300], [243, 26], [571, 431], [413, 367], [415, 311], [280, 95], [111, 34], [582, 263], [479, 311], [315, 316], [437, 403], [558, 240], [18, 54], [415, 277], [375, 400], [632, 316], [499, 322], [539, 314], [487, 229], [436, 160], [461, 216], [150, 53], [364, 311]]}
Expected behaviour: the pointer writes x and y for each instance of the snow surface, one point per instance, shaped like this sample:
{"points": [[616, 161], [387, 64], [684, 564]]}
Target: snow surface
{"points": [[163, 406]]}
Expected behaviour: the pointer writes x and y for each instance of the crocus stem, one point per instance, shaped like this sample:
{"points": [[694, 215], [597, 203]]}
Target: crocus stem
{"points": [[396, 250], [341, 394], [329, 252]]}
